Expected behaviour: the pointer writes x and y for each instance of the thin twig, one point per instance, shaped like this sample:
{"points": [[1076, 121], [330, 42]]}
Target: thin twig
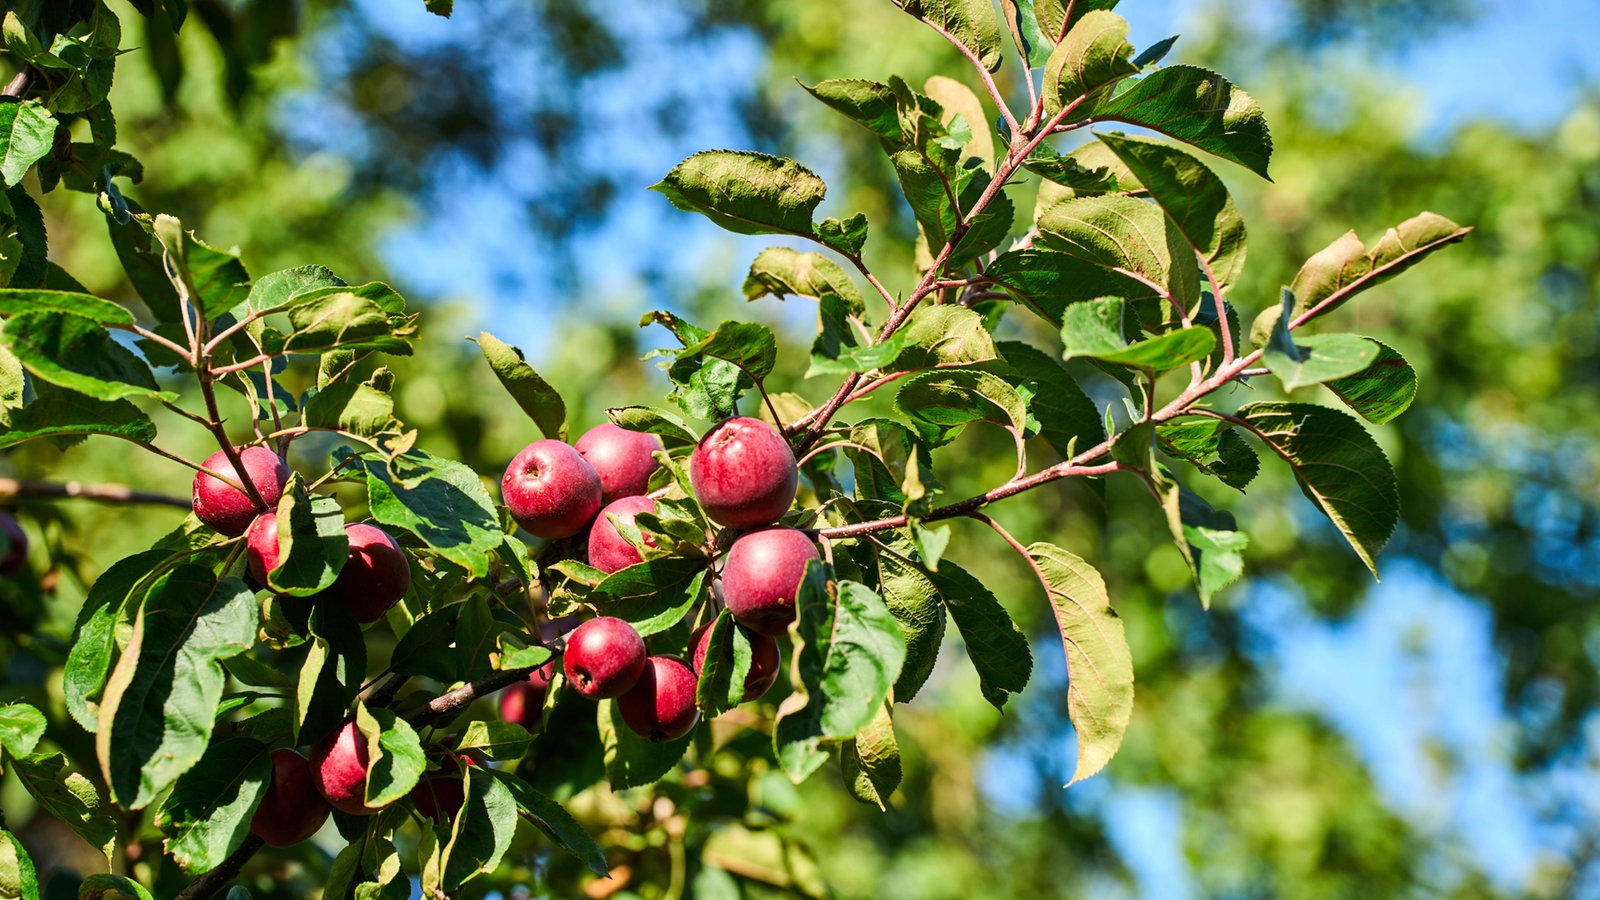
{"points": [[103, 493]]}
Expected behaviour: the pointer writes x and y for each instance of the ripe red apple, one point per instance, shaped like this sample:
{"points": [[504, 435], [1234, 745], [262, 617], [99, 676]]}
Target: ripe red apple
{"points": [[765, 660], [228, 509], [14, 549], [261, 542], [743, 473], [339, 770], [292, 809], [622, 458], [523, 702], [439, 795], [761, 577], [660, 706], [609, 551], [603, 658], [551, 489], [376, 574]]}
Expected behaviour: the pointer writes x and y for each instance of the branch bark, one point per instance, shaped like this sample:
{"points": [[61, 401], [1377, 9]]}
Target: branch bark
{"points": [[209, 883], [103, 493]]}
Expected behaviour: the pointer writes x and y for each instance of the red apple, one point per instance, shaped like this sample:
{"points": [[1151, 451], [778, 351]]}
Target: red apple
{"points": [[551, 489], [761, 577], [439, 794], [13, 546], [603, 657], [765, 660], [660, 706], [228, 509], [261, 543], [376, 574], [744, 474], [523, 702], [339, 770], [609, 551], [292, 809], [622, 458]]}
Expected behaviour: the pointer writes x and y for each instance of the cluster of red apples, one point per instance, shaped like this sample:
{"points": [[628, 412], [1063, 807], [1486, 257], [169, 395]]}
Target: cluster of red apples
{"points": [[744, 477], [373, 578]]}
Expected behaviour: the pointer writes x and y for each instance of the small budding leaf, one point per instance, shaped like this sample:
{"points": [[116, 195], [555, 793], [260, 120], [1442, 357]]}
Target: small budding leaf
{"points": [[1316, 358]]}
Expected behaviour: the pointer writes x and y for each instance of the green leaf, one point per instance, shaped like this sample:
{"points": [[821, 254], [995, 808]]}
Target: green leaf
{"points": [[971, 23], [838, 348], [555, 821], [207, 815], [441, 7], [1048, 281], [1381, 391], [94, 640], [21, 727], [481, 833], [1212, 446], [440, 501], [880, 451], [1068, 420], [1209, 539], [1057, 17], [535, 395], [958, 100], [311, 540], [71, 797], [104, 312], [871, 761], [653, 595], [99, 887], [671, 428], [1346, 267], [997, 647], [358, 408], [1339, 467], [1093, 55], [394, 755], [751, 347], [356, 318], [939, 197], [631, 760], [847, 236], [78, 354], [276, 290], [914, 602], [868, 103], [1099, 662], [142, 259], [1124, 234], [18, 878], [1317, 358], [214, 280], [496, 740], [1193, 197], [849, 652], [726, 666], [330, 678], [27, 134], [64, 416], [161, 699], [942, 402], [746, 193], [1094, 330], [1199, 107], [782, 271], [1079, 173], [944, 335]]}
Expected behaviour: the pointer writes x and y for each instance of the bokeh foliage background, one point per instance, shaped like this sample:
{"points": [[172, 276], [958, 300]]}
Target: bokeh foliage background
{"points": [[1313, 734]]}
